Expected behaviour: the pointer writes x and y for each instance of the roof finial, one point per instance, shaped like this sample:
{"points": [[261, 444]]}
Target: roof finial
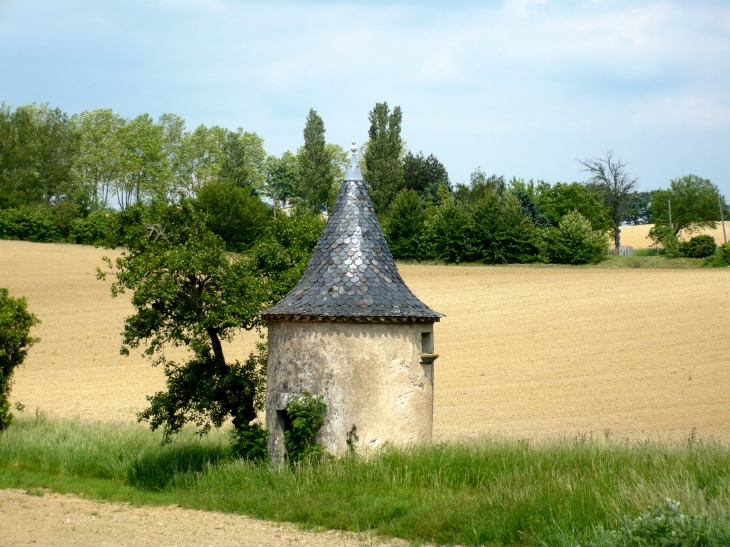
{"points": [[353, 171]]}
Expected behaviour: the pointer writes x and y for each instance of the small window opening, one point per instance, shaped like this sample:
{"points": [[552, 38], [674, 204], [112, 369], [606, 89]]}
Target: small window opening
{"points": [[427, 355], [426, 342]]}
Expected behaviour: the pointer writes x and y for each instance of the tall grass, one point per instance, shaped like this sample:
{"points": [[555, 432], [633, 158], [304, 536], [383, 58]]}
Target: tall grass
{"points": [[490, 491]]}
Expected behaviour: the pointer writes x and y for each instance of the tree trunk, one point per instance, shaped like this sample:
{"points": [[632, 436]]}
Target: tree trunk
{"points": [[241, 406], [617, 240], [217, 346]]}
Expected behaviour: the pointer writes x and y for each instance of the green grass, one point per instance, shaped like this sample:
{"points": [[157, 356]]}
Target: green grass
{"points": [[648, 261], [646, 252], [492, 491]]}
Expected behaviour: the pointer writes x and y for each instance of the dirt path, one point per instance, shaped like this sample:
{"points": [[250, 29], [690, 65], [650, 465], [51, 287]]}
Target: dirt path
{"points": [[525, 351], [52, 519]]}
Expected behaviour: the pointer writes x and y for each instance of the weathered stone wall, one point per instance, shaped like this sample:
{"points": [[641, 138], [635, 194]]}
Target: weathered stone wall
{"points": [[370, 375]]}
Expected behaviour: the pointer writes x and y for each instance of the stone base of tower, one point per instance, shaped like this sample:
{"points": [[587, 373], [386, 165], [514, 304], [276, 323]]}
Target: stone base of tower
{"points": [[374, 378]]}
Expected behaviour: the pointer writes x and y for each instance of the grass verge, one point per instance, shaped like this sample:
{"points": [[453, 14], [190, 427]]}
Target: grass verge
{"points": [[486, 492]]}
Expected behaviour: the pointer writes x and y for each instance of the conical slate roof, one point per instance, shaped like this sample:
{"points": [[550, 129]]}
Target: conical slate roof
{"points": [[351, 275]]}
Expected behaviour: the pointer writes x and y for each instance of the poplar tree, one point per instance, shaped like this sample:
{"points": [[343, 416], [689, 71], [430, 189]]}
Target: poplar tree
{"points": [[383, 164], [316, 176]]}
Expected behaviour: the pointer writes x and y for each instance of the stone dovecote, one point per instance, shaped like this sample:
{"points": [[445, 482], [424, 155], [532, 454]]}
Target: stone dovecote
{"points": [[353, 332]]}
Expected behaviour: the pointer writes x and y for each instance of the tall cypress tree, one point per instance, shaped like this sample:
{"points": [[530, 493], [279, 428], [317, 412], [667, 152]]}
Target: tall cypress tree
{"points": [[316, 176], [384, 168]]}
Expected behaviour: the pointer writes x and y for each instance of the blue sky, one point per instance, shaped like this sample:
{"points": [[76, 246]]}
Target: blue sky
{"points": [[521, 88]]}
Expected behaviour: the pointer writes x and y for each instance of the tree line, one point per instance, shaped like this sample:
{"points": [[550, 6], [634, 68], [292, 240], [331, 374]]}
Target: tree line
{"points": [[64, 176]]}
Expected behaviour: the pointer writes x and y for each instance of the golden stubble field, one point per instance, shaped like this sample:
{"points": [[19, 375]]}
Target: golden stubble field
{"points": [[525, 351], [636, 236]]}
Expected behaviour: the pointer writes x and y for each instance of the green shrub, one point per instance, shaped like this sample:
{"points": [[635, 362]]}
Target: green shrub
{"points": [[91, 230], [665, 236], [575, 242], [15, 340], [306, 414], [65, 213], [664, 526], [404, 225], [700, 246], [29, 225], [725, 252], [250, 443]]}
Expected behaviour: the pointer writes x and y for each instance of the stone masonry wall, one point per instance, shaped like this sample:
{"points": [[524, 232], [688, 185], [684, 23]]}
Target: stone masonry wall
{"points": [[370, 375]]}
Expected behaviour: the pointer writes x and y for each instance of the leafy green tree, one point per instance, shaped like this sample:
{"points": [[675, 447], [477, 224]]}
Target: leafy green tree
{"points": [[284, 255], [383, 165], [665, 236], [282, 176], [98, 164], [15, 341], [37, 145], [637, 208], [694, 204], [501, 233], [189, 293], [404, 225], [530, 209], [201, 156], [575, 241], [141, 162], [481, 186], [448, 233], [244, 160], [173, 132], [233, 214], [560, 199], [530, 188], [613, 185], [65, 212], [315, 162], [424, 175]]}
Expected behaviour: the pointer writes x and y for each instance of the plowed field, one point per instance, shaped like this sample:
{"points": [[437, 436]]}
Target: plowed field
{"points": [[525, 351]]}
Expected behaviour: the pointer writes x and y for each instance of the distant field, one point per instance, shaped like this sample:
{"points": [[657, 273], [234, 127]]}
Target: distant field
{"points": [[635, 236], [525, 351]]}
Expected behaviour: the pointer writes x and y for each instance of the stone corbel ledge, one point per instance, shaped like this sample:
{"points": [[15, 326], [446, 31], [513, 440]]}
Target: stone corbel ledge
{"points": [[429, 358]]}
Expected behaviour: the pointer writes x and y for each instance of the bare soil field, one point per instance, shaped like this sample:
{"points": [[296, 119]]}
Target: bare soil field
{"points": [[42, 518], [636, 236], [525, 351]]}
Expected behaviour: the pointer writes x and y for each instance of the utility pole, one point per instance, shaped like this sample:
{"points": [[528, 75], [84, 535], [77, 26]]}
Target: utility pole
{"points": [[669, 203], [722, 217]]}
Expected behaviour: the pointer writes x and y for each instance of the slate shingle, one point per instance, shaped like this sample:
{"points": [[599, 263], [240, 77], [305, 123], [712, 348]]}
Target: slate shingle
{"points": [[351, 273]]}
